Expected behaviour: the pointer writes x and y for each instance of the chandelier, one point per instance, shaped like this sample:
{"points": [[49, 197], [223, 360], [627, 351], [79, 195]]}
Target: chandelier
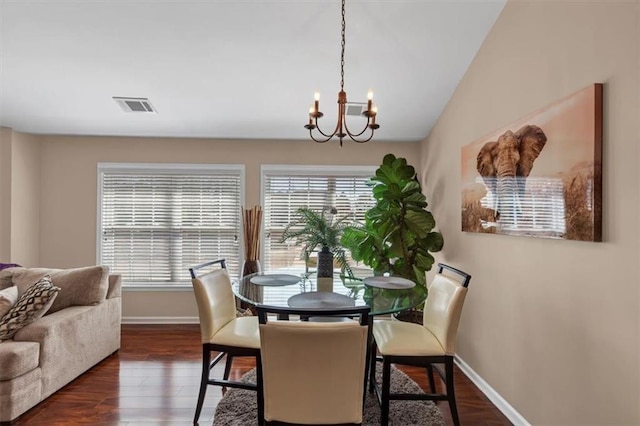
{"points": [[342, 130]]}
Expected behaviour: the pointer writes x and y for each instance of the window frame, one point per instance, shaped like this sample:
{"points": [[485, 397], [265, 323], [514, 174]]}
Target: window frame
{"points": [[169, 169], [305, 170]]}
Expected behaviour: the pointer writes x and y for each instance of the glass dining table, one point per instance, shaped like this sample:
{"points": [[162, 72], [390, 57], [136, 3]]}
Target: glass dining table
{"points": [[290, 288]]}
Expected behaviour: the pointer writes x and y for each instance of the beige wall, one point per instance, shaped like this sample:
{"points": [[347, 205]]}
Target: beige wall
{"points": [[25, 199], [551, 325], [19, 198], [5, 194], [69, 191]]}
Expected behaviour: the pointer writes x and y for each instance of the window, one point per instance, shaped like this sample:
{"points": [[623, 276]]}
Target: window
{"points": [[285, 189], [157, 220]]}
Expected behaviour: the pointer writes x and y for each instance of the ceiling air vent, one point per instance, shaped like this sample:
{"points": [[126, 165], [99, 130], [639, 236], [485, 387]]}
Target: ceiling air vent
{"points": [[356, 108], [135, 104]]}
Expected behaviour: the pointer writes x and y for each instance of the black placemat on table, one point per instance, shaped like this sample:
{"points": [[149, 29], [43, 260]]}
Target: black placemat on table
{"points": [[275, 279], [393, 283], [320, 299]]}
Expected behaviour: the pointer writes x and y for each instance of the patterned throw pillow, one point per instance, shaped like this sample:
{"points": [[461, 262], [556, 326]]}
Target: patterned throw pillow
{"points": [[33, 304]]}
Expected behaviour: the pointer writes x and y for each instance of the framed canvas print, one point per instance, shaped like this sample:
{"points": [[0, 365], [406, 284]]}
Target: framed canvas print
{"points": [[540, 176]]}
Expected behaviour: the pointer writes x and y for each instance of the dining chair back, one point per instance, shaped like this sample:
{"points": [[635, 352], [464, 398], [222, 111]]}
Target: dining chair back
{"points": [[215, 300], [220, 330], [313, 372], [443, 307], [423, 345]]}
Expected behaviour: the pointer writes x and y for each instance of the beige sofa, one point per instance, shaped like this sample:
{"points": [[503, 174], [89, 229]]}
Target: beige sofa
{"points": [[81, 328]]}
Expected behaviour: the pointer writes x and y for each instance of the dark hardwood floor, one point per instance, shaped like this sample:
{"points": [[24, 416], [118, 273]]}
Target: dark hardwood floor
{"points": [[154, 379]]}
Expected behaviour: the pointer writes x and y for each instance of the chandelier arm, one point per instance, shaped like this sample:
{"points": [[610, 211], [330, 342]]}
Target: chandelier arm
{"points": [[319, 140], [352, 135], [335, 131], [362, 141]]}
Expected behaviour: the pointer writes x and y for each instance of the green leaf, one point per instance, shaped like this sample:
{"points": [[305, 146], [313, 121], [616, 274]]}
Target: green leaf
{"points": [[388, 159], [419, 222], [417, 198], [419, 275], [411, 187], [378, 192], [434, 241]]}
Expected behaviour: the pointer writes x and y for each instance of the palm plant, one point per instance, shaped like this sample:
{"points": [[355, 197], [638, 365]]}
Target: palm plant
{"points": [[321, 229]]}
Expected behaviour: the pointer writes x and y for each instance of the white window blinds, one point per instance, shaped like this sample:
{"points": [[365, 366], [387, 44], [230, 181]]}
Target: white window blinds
{"points": [[156, 222], [287, 189]]}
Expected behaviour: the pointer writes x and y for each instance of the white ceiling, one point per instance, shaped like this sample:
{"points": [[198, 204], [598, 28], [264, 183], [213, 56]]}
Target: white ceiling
{"points": [[231, 69]]}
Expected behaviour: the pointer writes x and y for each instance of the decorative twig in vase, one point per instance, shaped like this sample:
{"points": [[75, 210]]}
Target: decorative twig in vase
{"points": [[251, 222]]}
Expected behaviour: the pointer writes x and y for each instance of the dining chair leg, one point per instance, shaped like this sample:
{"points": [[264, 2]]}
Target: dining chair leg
{"points": [[450, 392], [386, 390], [260, 391], [227, 366], [367, 369], [432, 383], [204, 381], [372, 366]]}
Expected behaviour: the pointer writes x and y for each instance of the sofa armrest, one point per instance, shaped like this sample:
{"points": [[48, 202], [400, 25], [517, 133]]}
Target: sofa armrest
{"points": [[115, 286]]}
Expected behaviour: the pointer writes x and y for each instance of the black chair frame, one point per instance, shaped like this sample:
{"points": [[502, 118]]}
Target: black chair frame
{"points": [[383, 393], [224, 351]]}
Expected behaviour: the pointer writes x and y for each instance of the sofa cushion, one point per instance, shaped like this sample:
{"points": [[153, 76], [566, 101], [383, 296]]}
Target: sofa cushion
{"points": [[20, 394], [79, 286], [18, 358], [6, 276], [8, 298], [23, 278], [31, 305]]}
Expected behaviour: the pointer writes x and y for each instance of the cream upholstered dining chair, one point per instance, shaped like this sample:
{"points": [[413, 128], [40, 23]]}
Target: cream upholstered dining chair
{"points": [[423, 345], [313, 372], [220, 330]]}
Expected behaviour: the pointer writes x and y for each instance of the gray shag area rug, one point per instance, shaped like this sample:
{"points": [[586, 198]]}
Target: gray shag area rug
{"points": [[238, 407]]}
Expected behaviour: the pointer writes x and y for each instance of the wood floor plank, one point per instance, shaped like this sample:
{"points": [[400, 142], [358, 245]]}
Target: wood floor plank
{"points": [[154, 379]]}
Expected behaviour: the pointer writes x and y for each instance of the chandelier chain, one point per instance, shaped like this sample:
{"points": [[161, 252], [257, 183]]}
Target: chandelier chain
{"points": [[342, 53]]}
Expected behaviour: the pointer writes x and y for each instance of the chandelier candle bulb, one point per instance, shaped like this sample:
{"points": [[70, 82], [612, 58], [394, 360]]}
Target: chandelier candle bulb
{"points": [[369, 99]]}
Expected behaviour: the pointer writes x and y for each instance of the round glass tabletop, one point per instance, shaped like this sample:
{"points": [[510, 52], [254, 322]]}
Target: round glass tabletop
{"points": [[381, 300]]}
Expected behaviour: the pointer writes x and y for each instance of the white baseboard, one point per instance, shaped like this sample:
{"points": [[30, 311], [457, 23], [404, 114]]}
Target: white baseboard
{"points": [[160, 320], [497, 400]]}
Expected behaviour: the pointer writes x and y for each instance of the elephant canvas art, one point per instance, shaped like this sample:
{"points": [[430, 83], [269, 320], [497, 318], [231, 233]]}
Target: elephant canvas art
{"points": [[539, 176]]}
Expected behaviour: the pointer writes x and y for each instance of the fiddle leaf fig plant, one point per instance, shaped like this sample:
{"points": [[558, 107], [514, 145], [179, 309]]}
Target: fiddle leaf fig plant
{"points": [[397, 235]]}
